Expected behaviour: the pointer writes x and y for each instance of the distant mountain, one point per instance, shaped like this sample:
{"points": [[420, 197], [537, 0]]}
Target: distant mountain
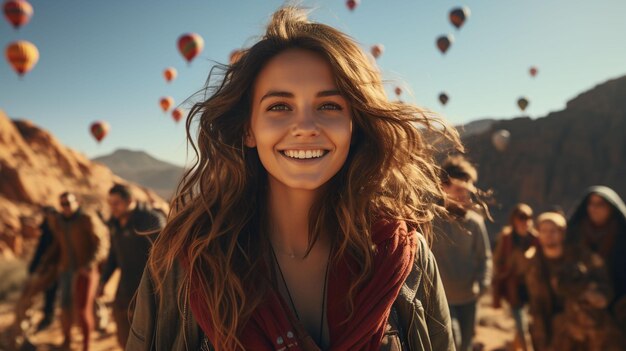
{"points": [[140, 167], [35, 168], [475, 127], [551, 160]]}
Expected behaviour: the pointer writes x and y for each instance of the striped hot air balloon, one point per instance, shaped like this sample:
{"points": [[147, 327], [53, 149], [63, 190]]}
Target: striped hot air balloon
{"points": [[190, 45], [99, 130], [18, 12], [22, 55]]}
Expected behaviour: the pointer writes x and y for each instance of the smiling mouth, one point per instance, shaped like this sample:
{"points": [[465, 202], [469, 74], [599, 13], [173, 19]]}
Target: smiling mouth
{"points": [[304, 154]]}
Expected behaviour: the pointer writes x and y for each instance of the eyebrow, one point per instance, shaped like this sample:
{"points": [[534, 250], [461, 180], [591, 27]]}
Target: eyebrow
{"points": [[286, 94]]}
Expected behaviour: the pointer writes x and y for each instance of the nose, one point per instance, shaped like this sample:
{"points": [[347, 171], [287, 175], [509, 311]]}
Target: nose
{"points": [[305, 125]]}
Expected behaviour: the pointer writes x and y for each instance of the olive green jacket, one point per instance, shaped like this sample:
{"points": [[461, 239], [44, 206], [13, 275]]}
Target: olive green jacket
{"points": [[420, 319]]}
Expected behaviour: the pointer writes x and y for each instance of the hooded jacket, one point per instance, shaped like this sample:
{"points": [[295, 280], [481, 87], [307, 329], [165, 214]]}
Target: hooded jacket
{"points": [[616, 259]]}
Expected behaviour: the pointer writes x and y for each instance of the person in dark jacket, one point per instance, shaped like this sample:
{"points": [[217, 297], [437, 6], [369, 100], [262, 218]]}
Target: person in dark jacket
{"points": [[599, 223], [461, 247], [45, 241], [133, 227]]}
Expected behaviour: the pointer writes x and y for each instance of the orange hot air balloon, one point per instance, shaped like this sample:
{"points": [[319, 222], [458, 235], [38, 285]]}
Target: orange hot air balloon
{"points": [[377, 50], [235, 55], [352, 4], [190, 45], [166, 103], [444, 42], [18, 12], [443, 98], [458, 15], [522, 103], [398, 91], [177, 114], [533, 71], [22, 55], [170, 74], [99, 130]]}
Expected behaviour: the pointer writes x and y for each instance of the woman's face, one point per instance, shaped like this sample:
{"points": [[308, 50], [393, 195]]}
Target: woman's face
{"points": [[300, 124], [551, 239], [598, 209]]}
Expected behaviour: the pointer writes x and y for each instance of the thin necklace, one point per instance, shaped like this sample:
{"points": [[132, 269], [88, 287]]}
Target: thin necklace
{"points": [[293, 306]]}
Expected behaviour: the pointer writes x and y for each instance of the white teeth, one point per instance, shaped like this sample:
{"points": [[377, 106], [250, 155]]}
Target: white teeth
{"points": [[304, 154]]}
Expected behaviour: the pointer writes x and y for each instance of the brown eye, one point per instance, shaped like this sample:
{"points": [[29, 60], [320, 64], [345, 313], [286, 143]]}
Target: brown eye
{"points": [[278, 107], [331, 106]]}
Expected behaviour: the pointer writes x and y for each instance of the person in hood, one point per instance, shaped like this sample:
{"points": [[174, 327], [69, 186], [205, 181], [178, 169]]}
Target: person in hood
{"points": [[599, 223]]}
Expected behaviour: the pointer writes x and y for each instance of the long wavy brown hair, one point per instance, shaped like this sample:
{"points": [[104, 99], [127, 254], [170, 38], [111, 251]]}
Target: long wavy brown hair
{"points": [[217, 223]]}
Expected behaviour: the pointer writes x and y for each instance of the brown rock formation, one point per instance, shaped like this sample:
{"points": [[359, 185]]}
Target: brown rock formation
{"points": [[35, 169], [551, 160]]}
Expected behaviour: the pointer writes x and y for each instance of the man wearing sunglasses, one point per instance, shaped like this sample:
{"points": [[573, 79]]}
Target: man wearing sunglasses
{"points": [[80, 245]]}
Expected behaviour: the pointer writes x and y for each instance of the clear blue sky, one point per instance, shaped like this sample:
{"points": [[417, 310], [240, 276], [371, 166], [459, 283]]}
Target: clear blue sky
{"points": [[103, 59]]}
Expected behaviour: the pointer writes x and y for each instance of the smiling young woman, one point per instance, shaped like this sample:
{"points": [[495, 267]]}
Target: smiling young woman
{"points": [[297, 228]]}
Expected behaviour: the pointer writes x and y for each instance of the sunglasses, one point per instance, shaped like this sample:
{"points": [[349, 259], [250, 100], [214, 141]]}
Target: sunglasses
{"points": [[65, 204], [524, 217]]}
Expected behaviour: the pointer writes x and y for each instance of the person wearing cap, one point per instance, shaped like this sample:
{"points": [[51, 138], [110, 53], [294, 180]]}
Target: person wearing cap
{"points": [[461, 247], [569, 292]]}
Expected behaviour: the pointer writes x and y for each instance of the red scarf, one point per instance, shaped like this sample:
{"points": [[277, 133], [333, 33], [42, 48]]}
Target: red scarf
{"points": [[273, 326]]}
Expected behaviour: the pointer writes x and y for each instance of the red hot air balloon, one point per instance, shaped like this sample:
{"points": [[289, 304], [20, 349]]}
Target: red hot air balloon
{"points": [[352, 4], [444, 42], [398, 91], [377, 50], [177, 114], [522, 103], [170, 74], [190, 45], [22, 55], [99, 130], [458, 15], [18, 12], [166, 103], [443, 98], [533, 71]]}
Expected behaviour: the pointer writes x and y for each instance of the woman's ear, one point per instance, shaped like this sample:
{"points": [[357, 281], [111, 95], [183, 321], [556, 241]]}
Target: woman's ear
{"points": [[249, 139]]}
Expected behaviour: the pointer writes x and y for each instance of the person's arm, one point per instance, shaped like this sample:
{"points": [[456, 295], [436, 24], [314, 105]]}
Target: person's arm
{"points": [[140, 337], [483, 256], [110, 266], [433, 296]]}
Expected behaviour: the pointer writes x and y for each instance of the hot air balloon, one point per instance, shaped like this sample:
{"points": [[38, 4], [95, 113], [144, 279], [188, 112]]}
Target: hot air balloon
{"points": [[522, 103], [444, 42], [533, 71], [352, 4], [170, 74], [398, 91], [18, 12], [190, 45], [99, 130], [235, 55], [177, 114], [377, 50], [166, 103], [22, 55], [443, 98], [458, 15], [500, 139]]}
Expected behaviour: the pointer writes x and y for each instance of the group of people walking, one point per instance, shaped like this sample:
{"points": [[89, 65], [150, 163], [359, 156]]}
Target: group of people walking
{"points": [[564, 280], [76, 255]]}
